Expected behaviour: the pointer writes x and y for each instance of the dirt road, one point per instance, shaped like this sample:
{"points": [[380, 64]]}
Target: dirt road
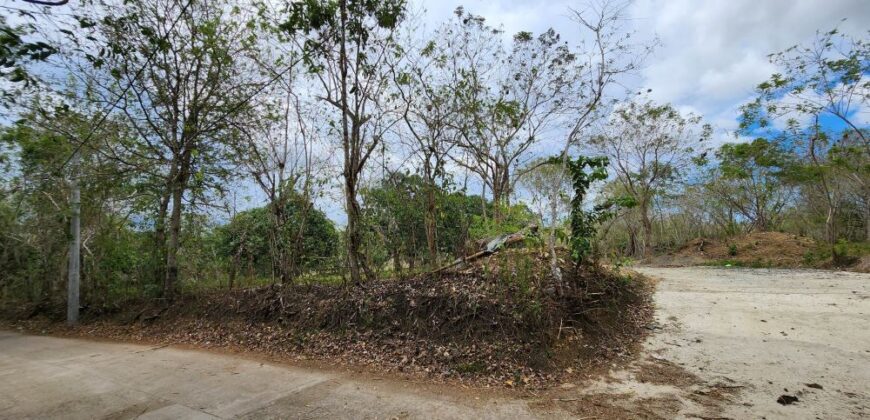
{"points": [[728, 343], [802, 333]]}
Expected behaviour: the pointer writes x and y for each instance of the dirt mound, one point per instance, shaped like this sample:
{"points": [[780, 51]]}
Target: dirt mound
{"points": [[757, 249], [501, 320]]}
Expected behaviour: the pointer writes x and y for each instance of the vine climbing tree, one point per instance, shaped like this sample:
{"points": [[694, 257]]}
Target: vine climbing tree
{"points": [[584, 171]]}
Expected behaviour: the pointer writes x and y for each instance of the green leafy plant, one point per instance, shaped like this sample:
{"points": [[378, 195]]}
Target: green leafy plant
{"points": [[732, 250], [584, 171]]}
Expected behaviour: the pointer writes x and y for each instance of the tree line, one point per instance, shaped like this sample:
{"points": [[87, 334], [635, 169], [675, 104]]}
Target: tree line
{"points": [[163, 113]]}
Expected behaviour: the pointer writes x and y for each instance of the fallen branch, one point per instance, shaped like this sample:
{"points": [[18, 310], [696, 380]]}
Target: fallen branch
{"points": [[493, 246]]}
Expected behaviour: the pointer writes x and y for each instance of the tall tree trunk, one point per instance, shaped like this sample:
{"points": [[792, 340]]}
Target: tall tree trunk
{"points": [[234, 269], [496, 203], [277, 247], [483, 200], [159, 251], [171, 279], [179, 185], [632, 248], [354, 259], [430, 224], [397, 263], [830, 234], [553, 196], [351, 156], [295, 256], [551, 240], [647, 228]]}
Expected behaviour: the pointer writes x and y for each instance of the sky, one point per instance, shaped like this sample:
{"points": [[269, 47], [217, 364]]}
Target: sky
{"points": [[711, 53]]}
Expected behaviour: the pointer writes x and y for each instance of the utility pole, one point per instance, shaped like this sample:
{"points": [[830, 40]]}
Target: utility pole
{"points": [[74, 275]]}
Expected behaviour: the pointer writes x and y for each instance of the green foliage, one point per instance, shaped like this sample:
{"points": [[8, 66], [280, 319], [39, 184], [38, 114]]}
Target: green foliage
{"points": [[189, 85], [246, 238], [826, 76], [321, 20], [513, 219], [742, 161], [35, 213], [843, 253], [16, 52], [395, 212], [732, 250], [584, 172], [755, 180]]}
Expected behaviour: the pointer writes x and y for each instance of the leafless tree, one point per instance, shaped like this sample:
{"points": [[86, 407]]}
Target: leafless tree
{"points": [[606, 55]]}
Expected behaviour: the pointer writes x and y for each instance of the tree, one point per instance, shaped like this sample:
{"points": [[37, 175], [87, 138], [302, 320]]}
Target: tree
{"points": [[16, 52], [584, 172], [247, 238], [395, 211], [827, 76], [176, 71], [426, 89], [278, 142], [542, 181], [649, 146], [278, 152], [833, 169], [753, 179], [509, 98], [40, 208], [851, 162], [346, 48], [601, 61]]}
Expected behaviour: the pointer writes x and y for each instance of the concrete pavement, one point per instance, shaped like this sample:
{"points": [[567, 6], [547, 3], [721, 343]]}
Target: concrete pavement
{"points": [[47, 377]]}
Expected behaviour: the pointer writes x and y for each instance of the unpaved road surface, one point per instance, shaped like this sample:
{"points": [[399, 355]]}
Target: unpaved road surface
{"points": [[770, 332], [727, 344]]}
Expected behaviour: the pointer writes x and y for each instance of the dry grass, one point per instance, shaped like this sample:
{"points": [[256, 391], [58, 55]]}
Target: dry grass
{"points": [[757, 249]]}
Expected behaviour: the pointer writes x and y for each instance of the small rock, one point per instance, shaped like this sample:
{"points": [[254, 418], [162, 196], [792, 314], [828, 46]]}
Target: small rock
{"points": [[814, 385], [785, 399]]}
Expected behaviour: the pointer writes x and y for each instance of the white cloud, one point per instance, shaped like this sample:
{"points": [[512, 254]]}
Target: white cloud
{"points": [[712, 53]]}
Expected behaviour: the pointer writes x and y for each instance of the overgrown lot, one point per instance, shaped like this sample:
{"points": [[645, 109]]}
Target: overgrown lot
{"points": [[501, 320]]}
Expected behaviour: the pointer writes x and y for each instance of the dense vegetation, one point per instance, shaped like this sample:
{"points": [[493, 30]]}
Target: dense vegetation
{"points": [[210, 141]]}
